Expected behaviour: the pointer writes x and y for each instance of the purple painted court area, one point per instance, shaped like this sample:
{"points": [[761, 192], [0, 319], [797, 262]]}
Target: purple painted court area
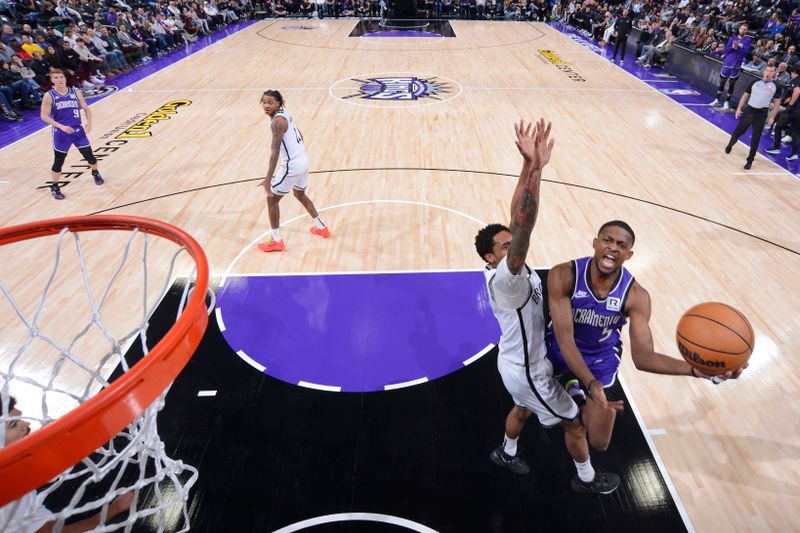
{"points": [[13, 131], [401, 33], [358, 332], [688, 96]]}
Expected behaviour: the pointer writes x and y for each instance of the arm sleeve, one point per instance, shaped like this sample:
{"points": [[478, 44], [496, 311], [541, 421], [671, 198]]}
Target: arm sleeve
{"points": [[510, 291]]}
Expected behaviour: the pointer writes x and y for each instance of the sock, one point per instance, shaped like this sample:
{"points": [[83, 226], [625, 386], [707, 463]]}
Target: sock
{"points": [[585, 470], [276, 235], [319, 223], [510, 445]]}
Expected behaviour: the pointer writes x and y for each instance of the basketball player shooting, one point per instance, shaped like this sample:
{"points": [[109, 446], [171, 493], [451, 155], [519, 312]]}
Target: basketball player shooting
{"points": [[516, 297], [591, 299]]}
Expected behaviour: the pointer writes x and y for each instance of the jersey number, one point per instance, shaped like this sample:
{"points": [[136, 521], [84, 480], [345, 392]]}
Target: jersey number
{"points": [[606, 334], [77, 113]]}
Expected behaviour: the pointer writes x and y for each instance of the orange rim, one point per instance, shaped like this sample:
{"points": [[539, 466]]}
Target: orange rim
{"points": [[34, 460]]}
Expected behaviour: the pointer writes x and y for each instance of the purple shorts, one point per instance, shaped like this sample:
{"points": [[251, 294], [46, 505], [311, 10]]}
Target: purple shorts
{"points": [[729, 72], [603, 366], [62, 141]]}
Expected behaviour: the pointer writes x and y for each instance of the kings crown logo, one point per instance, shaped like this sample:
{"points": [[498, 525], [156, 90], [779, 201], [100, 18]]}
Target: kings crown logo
{"points": [[400, 88]]}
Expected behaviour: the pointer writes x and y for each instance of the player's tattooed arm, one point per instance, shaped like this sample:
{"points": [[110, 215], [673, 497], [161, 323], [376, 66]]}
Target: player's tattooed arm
{"points": [[536, 147], [278, 128]]}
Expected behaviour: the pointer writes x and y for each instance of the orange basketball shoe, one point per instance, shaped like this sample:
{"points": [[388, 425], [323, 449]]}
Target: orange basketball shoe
{"points": [[324, 232], [272, 246]]}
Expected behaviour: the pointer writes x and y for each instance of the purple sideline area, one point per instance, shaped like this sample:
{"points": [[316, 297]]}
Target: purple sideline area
{"points": [[13, 131], [358, 332], [688, 96]]}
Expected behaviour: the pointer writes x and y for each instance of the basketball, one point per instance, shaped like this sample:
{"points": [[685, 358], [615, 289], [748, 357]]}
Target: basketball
{"points": [[715, 338]]}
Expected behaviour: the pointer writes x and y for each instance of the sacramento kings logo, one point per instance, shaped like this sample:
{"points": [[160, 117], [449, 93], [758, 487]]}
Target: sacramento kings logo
{"points": [[97, 92], [395, 90]]}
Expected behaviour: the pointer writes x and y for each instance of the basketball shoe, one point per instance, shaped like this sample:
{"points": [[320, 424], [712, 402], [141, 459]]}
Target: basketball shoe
{"points": [[272, 246], [324, 232], [603, 483], [98, 179], [55, 190], [513, 462]]}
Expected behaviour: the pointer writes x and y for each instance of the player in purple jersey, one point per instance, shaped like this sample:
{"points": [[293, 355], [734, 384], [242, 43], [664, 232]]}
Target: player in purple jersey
{"points": [[61, 108], [590, 300], [732, 57]]}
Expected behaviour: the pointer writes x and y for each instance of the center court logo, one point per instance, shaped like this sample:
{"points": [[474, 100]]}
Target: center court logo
{"points": [[395, 90], [97, 92]]}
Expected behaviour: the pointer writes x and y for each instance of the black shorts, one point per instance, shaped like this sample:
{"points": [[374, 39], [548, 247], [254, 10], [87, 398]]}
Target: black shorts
{"points": [[613, 391]]}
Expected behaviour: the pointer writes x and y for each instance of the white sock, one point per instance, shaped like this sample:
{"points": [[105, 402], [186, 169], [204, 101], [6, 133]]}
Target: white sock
{"points": [[585, 470], [510, 446], [276, 235], [320, 224]]}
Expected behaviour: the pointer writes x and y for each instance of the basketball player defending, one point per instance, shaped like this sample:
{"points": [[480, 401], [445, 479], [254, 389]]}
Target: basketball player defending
{"points": [[590, 300], [61, 108], [287, 141], [516, 298]]}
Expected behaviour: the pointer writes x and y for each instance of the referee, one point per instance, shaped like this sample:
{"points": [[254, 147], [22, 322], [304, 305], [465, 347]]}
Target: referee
{"points": [[758, 96]]}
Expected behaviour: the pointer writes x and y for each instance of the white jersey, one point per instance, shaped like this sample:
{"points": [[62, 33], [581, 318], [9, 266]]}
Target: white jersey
{"points": [[518, 307], [25, 515], [292, 147]]}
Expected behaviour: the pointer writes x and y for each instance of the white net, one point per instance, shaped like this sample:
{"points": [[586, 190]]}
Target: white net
{"points": [[68, 328]]}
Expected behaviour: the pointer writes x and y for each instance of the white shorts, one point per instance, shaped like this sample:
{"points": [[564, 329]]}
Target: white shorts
{"points": [[547, 400], [293, 175]]}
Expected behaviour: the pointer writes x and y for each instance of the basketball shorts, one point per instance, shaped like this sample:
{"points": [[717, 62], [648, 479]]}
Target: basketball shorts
{"points": [[729, 72], [603, 366], [293, 175], [62, 141], [547, 399], [613, 391]]}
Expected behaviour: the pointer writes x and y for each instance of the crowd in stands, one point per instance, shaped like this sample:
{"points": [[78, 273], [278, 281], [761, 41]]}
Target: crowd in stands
{"points": [[703, 26], [92, 40]]}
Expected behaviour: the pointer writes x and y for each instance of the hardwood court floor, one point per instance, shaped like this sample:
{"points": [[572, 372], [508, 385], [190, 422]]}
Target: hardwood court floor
{"points": [[404, 188]]}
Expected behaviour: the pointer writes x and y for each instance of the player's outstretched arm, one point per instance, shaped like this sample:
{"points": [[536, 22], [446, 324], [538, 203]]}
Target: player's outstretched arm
{"points": [[525, 133], [638, 308], [539, 149]]}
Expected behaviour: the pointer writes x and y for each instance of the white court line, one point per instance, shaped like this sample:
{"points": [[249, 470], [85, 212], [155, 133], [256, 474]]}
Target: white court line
{"points": [[350, 517], [317, 386], [227, 90], [694, 105], [354, 272], [760, 173], [404, 384], [248, 247], [659, 462], [478, 355], [221, 324], [250, 361], [474, 88], [658, 431], [206, 393], [661, 81]]}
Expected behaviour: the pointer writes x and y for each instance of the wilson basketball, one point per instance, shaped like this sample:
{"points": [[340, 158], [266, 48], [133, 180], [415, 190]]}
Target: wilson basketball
{"points": [[714, 338]]}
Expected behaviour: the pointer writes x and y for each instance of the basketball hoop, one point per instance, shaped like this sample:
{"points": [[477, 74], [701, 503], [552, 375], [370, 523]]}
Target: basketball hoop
{"points": [[38, 458]]}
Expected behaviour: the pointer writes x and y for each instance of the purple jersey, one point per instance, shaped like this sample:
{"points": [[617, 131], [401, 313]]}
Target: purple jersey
{"points": [[596, 324], [66, 110]]}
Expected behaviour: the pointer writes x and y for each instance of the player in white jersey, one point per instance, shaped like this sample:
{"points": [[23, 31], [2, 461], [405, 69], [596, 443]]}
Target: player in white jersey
{"points": [[515, 293], [287, 143]]}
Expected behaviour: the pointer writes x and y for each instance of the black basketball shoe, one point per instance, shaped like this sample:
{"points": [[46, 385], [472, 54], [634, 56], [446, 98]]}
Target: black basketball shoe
{"points": [[513, 462], [603, 483]]}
